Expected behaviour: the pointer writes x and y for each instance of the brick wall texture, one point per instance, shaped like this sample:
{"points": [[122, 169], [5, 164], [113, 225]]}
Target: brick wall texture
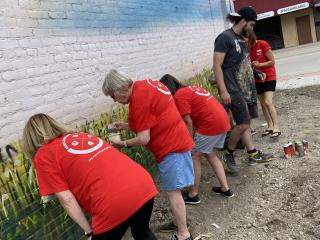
{"points": [[54, 53]]}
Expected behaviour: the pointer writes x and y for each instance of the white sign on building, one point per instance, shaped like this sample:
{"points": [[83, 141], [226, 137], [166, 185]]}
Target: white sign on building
{"points": [[293, 8], [265, 15]]}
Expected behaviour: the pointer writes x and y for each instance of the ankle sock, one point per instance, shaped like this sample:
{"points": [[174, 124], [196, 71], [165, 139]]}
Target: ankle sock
{"points": [[230, 151]]}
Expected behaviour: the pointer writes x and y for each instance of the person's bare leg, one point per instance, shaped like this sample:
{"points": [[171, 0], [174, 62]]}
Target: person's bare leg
{"points": [[219, 170], [265, 112], [236, 134], [196, 158], [178, 209], [247, 139], [267, 98]]}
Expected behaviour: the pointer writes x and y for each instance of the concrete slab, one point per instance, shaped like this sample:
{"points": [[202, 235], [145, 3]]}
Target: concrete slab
{"points": [[298, 66]]}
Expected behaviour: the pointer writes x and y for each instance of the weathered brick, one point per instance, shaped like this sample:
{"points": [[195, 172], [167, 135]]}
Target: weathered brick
{"points": [[9, 44], [21, 32], [57, 15], [14, 75], [37, 14]]}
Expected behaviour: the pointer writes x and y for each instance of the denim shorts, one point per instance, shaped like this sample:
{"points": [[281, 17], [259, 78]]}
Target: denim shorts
{"points": [[176, 171], [206, 144]]}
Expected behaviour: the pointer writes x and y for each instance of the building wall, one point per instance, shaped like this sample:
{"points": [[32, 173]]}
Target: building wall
{"points": [[54, 54], [289, 28]]}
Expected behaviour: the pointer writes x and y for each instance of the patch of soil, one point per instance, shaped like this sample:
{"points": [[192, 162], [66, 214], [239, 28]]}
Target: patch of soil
{"points": [[276, 200]]}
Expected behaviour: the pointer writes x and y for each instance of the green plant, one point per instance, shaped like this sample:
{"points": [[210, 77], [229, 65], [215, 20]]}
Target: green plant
{"points": [[22, 214], [202, 80]]}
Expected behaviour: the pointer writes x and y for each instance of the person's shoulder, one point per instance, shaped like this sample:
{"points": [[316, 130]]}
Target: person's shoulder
{"points": [[140, 82], [139, 85], [46, 151], [225, 34], [182, 92], [263, 43]]}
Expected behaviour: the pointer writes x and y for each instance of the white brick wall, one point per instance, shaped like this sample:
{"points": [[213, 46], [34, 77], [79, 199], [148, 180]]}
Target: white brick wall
{"points": [[54, 54]]}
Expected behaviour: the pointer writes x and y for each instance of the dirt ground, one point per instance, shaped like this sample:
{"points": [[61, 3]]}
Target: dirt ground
{"points": [[276, 200]]}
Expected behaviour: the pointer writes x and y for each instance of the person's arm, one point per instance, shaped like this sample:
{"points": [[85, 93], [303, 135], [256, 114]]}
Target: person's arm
{"points": [[218, 58], [120, 126], [142, 139], [258, 74], [70, 204], [188, 121], [269, 55]]}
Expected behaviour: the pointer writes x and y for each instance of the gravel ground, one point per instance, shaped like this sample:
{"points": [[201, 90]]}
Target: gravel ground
{"points": [[276, 200]]}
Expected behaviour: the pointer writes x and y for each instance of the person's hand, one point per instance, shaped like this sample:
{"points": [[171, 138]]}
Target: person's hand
{"points": [[256, 64], [225, 97], [264, 76], [117, 143], [120, 126]]}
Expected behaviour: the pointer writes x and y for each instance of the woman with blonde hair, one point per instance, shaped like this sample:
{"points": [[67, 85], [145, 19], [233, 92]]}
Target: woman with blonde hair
{"points": [[263, 60], [153, 116], [83, 171]]}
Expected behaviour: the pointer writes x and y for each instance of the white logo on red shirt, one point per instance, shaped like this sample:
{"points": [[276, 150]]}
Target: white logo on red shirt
{"points": [[199, 91], [81, 143], [158, 85]]}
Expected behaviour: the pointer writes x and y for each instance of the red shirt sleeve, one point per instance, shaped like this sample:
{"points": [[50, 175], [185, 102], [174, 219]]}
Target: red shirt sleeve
{"points": [[49, 175], [183, 102], [140, 113]]}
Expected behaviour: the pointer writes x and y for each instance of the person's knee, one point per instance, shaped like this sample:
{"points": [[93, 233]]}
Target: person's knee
{"points": [[242, 127], [267, 100], [196, 156]]}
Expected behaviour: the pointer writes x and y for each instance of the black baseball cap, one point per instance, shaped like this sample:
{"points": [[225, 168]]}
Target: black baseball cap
{"points": [[248, 13]]}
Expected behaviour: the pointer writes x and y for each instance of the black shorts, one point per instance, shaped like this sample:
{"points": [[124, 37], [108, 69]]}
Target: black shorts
{"points": [[253, 110], [239, 109], [267, 86]]}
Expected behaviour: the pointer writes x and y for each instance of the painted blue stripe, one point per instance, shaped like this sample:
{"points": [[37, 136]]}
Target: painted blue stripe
{"points": [[130, 14]]}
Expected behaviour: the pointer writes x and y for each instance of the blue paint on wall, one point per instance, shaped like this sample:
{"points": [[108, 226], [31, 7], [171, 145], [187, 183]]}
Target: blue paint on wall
{"points": [[130, 14]]}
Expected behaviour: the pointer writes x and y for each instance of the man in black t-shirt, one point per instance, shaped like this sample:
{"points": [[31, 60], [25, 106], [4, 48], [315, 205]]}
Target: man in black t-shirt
{"points": [[235, 81]]}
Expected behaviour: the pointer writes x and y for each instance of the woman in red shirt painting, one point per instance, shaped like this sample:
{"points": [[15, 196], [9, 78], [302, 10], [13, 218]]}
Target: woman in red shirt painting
{"points": [[204, 114], [262, 59], [83, 171], [154, 117]]}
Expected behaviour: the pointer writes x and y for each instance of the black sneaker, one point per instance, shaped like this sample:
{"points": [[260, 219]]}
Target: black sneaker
{"points": [[229, 162], [169, 227], [228, 193], [190, 200], [174, 237], [259, 157]]}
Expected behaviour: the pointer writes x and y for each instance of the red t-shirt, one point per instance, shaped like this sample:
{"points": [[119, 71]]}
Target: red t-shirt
{"points": [[152, 107], [258, 53], [106, 183], [207, 114]]}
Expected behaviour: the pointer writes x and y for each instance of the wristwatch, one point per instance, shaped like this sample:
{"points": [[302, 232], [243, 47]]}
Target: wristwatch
{"points": [[88, 234]]}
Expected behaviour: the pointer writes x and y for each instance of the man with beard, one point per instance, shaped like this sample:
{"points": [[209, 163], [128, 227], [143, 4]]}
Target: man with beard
{"points": [[235, 82]]}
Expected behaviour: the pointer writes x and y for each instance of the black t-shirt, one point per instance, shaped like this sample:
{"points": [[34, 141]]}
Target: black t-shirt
{"points": [[236, 67]]}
